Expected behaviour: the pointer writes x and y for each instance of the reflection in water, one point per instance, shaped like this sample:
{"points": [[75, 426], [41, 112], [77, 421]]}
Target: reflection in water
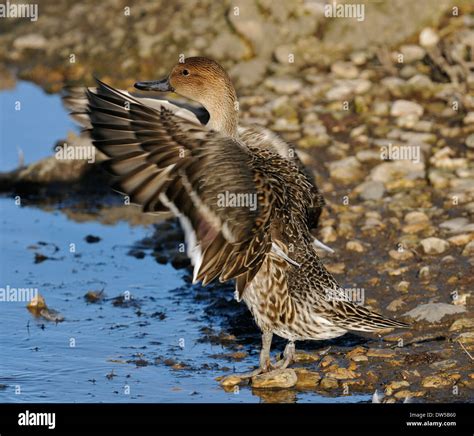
{"points": [[31, 121]]}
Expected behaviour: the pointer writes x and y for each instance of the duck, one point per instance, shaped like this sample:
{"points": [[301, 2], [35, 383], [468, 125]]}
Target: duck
{"points": [[244, 200]]}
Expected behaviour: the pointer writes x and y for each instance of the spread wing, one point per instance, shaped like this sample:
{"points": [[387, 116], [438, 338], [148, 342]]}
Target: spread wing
{"points": [[225, 194], [268, 139]]}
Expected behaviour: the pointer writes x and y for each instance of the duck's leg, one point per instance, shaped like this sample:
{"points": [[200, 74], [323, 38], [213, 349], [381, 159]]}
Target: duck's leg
{"points": [[288, 356], [264, 361]]}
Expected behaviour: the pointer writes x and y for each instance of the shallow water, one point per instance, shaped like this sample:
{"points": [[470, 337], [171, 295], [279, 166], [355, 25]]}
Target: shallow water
{"points": [[31, 121], [102, 352]]}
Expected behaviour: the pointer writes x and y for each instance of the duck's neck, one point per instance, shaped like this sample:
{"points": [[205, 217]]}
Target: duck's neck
{"points": [[224, 114]]}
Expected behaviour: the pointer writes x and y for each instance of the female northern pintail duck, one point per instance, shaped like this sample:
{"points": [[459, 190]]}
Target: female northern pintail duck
{"points": [[208, 175]]}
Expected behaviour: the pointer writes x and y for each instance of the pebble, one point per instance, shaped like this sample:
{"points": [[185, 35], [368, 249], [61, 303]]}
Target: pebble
{"points": [[468, 249], [455, 225], [461, 239], [437, 381], [371, 190], [342, 373], [444, 364], [401, 255], [469, 119], [282, 85], [345, 70], [387, 172], [231, 381], [403, 286], [307, 379], [470, 140], [345, 170], [402, 108], [433, 312], [395, 305], [355, 246], [280, 378], [31, 41], [412, 53], [408, 394], [434, 245], [328, 383], [424, 272], [380, 352], [428, 38], [328, 234], [393, 386], [466, 338]]}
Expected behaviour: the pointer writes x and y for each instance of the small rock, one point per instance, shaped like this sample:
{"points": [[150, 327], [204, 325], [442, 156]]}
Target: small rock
{"points": [[455, 225], [444, 364], [401, 108], [301, 356], [400, 255], [357, 351], [424, 272], [328, 234], [280, 378], [436, 381], [336, 268], [412, 53], [395, 305], [31, 41], [434, 245], [466, 338], [393, 386], [416, 221], [355, 246], [328, 383], [462, 239], [345, 170], [461, 324], [469, 119], [415, 217], [380, 352], [468, 249], [342, 373], [345, 70], [307, 379], [470, 140], [91, 239], [371, 190], [408, 394], [368, 156], [403, 286], [231, 381], [428, 38], [283, 85], [360, 358], [433, 312]]}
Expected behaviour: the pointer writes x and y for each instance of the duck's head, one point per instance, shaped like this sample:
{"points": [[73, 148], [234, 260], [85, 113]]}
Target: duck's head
{"points": [[206, 82]]}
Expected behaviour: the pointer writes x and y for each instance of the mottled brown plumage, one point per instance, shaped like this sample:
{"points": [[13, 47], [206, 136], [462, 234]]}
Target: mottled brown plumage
{"points": [[166, 159]]}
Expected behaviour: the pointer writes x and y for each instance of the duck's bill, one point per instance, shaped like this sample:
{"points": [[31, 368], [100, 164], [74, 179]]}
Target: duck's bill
{"points": [[155, 85], [319, 244]]}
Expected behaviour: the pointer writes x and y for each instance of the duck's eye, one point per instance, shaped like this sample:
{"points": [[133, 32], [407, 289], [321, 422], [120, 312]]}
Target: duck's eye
{"points": [[185, 72]]}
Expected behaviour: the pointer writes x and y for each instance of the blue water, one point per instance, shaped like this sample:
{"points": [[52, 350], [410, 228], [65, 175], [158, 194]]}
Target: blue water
{"points": [[34, 129]]}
